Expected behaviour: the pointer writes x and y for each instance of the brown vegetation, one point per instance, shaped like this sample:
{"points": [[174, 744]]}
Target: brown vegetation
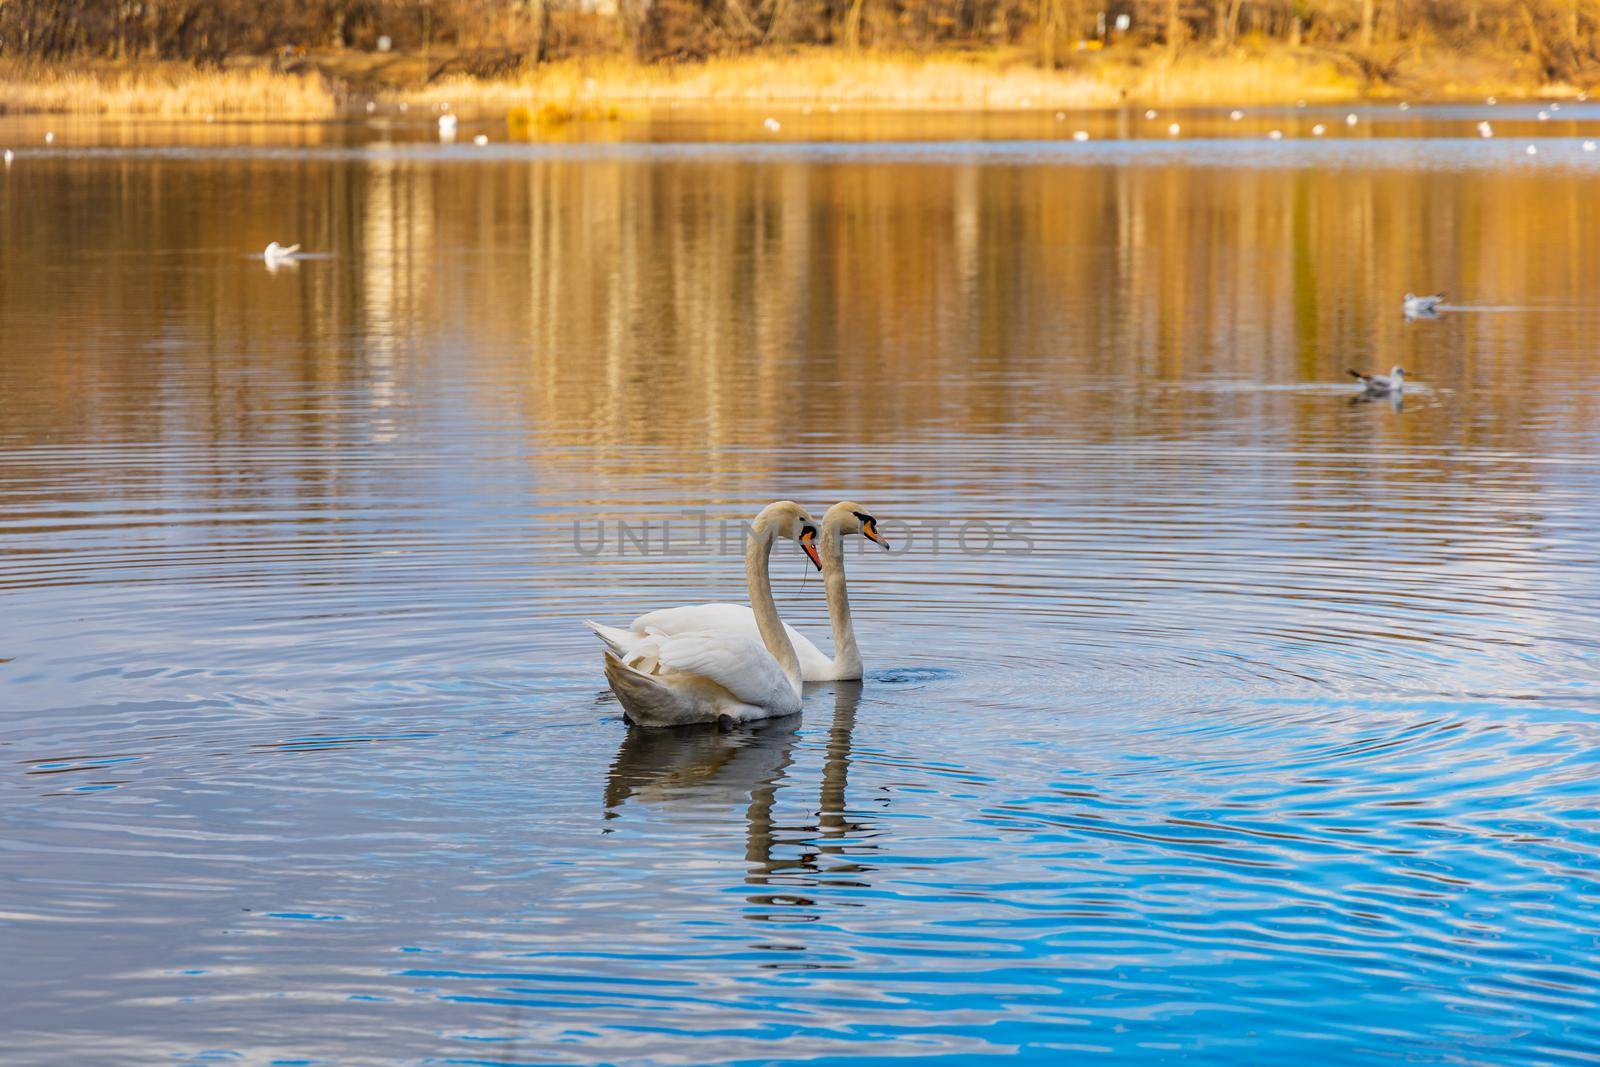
{"points": [[173, 90], [994, 80], [893, 52], [1562, 37]]}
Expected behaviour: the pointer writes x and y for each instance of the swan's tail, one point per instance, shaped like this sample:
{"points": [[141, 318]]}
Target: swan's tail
{"points": [[642, 652], [645, 700], [616, 639]]}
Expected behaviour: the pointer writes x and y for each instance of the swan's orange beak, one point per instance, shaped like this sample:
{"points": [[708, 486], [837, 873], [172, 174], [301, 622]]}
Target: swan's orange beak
{"points": [[869, 530], [808, 541]]}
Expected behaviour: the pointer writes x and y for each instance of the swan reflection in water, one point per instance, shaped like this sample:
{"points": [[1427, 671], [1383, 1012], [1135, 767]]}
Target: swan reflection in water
{"points": [[705, 768]]}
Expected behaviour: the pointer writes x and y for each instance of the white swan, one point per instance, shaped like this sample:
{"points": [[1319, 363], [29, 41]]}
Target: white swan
{"points": [[712, 675], [844, 518]]}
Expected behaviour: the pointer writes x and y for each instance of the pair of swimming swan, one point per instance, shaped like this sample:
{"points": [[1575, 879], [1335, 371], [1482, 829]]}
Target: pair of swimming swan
{"points": [[730, 663]]}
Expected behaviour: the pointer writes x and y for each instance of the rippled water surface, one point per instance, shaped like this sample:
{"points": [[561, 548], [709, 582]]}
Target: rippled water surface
{"points": [[1268, 729]]}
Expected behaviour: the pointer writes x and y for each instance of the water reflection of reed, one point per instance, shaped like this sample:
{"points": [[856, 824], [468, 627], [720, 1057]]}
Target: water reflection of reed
{"points": [[610, 338], [682, 307]]}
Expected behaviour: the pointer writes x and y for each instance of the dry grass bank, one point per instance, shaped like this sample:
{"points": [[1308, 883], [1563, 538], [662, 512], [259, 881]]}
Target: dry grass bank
{"points": [[980, 81], [988, 80], [167, 89]]}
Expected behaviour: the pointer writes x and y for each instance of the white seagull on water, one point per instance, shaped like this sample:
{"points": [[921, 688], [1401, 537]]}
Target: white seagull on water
{"points": [[276, 255], [1419, 307], [1393, 383]]}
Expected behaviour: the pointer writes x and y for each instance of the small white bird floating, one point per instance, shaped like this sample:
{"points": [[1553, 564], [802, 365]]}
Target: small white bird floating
{"points": [[1080, 135], [1544, 116], [10, 157], [1275, 135], [1588, 146], [1236, 115], [1416, 307], [371, 107], [49, 137], [1350, 119], [447, 122], [1485, 130], [1151, 114], [481, 140], [404, 106], [1381, 384], [1174, 130], [1318, 130], [1533, 150], [1061, 116], [772, 124], [276, 255], [1491, 101], [1404, 106]]}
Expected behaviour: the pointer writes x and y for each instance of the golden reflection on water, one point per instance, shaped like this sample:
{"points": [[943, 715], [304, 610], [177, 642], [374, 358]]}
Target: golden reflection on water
{"points": [[659, 334], [685, 306]]}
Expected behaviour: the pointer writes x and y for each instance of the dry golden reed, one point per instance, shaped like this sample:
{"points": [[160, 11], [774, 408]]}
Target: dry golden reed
{"points": [[166, 89], [822, 76], [595, 88]]}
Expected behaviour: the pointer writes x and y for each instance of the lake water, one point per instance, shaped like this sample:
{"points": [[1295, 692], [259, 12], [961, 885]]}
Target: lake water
{"points": [[1269, 728]]}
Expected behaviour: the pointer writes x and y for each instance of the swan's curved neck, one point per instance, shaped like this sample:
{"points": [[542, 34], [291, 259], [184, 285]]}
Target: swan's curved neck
{"points": [[759, 583], [846, 657]]}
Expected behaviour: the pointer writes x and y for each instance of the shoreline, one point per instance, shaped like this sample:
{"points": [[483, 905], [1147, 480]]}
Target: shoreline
{"points": [[339, 84]]}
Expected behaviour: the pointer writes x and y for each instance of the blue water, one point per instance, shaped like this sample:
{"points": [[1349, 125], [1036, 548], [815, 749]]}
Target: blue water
{"points": [[1268, 730]]}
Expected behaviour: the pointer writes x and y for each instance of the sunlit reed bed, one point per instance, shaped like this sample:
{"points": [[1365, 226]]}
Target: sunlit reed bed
{"points": [[905, 81], [595, 86], [166, 89]]}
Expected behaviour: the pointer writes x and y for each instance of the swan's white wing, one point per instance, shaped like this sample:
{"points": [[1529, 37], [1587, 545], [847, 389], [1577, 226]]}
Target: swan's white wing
{"points": [[741, 666], [695, 617], [734, 619]]}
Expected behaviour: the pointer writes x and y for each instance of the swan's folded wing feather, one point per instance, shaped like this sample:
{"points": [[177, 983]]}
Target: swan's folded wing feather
{"points": [[726, 618], [741, 666], [694, 618]]}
